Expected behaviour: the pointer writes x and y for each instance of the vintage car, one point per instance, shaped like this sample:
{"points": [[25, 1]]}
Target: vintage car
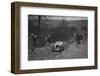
{"points": [[58, 46]]}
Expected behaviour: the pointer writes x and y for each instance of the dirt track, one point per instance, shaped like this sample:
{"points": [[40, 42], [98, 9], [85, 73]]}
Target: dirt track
{"points": [[71, 51]]}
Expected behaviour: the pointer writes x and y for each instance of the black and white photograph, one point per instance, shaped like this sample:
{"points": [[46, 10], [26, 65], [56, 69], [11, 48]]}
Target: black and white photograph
{"points": [[53, 37], [57, 37]]}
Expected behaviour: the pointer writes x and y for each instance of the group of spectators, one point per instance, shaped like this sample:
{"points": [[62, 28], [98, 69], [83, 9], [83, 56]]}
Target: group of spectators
{"points": [[78, 37], [33, 40]]}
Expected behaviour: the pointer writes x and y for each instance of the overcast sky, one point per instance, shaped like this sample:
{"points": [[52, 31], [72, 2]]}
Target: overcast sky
{"points": [[32, 17]]}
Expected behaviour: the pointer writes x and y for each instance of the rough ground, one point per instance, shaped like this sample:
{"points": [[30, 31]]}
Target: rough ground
{"points": [[71, 51]]}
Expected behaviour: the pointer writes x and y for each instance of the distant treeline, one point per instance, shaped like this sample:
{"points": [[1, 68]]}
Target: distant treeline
{"points": [[57, 29]]}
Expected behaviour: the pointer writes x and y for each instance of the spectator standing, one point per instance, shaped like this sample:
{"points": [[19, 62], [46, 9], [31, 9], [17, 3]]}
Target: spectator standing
{"points": [[33, 41], [48, 39]]}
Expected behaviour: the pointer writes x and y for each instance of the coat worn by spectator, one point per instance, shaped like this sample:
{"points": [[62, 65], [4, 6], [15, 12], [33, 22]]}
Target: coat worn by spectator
{"points": [[48, 39]]}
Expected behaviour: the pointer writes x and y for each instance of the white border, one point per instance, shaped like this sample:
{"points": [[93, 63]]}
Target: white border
{"points": [[25, 64]]}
